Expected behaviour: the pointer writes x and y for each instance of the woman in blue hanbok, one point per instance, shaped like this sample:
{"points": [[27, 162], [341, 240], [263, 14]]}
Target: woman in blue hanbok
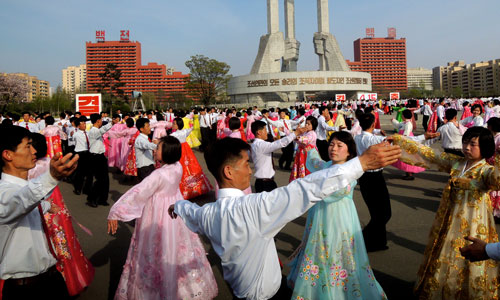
{"points": [[331, 262]]}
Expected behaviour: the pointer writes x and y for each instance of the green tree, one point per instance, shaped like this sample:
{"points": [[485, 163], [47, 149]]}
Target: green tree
{"points": [[110, 84], [208, 78], [457, 92]]}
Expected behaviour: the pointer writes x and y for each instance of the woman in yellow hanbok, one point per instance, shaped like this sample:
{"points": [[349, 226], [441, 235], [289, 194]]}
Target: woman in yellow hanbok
{"points": [[465, 210], [192, 140], [196, 124]]}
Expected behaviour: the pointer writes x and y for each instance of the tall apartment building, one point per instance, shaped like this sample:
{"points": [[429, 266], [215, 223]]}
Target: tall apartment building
{"points": [[477, 79], [36, 88], [126, 55], [384, 59], [420, 78], [74, 79]]}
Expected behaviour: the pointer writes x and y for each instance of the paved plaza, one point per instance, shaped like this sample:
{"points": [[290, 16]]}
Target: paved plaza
{"points": [[413, 207]]}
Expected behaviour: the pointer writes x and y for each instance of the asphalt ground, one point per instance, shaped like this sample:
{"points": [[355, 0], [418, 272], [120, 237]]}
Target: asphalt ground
{"points": [[414, 204]]}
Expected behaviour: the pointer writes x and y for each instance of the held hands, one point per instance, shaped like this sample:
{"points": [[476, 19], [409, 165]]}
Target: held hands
{"points": [[171, 211], [430, 135], [112, 226], [475, 251], [379, 156], [61, 167], [300, 130], [54, 209]]}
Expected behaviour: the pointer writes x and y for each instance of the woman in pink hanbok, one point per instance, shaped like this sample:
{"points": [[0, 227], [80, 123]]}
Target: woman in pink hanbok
{"points": [[160, 127], [114, 143], [494, 127], [467, 111], [250, 120], [165, 259], [306, 142]]}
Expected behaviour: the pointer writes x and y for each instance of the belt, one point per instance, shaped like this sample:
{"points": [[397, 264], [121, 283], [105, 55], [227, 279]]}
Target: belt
{"points": [[265, 179], [33, 279]]}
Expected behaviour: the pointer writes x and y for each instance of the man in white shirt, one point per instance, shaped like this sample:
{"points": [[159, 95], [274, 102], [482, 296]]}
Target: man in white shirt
{"points": [[27, 260], [25, 123], [82, 182], [426, 111], [450, 135], [99, 162], [262, 155], [440, 113], [205, 128], [241, 227], [144, 159], [321, 131]]}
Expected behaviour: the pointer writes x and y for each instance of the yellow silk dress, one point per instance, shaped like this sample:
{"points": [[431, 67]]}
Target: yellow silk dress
{"points": [[465, 209]]}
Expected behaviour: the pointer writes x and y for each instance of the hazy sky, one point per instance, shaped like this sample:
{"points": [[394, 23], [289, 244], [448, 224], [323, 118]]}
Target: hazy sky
{"points": [[43, 37]]}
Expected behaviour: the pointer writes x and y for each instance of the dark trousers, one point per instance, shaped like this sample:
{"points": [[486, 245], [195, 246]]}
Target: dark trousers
{"points": [[439, 123], [323, 149], [454, 151], [283, 293], [425, 122], [286, 158], [64, 146], [100, 188], [264, 185], [83, 175], [348, 123], [144, 172], [205, 137], [48, 285], [376, 196], [213, 132]]}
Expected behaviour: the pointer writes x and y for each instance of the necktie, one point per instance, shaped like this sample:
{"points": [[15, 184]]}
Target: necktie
{"points": [[87, 138], [27, 127], [46, 231], [286, 126]]}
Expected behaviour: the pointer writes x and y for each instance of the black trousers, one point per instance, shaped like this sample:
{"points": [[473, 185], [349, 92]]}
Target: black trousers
{"points": [[205, 137], [265, 185], [286, 158], [425, 122], [100, 188], [376, 196], [439, 123], [83, 175], [144, 172], [323, 149], [49, 285], [283, 293]]}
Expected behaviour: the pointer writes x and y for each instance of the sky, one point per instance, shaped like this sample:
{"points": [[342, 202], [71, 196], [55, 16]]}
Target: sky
{"points": [[43, 37]]}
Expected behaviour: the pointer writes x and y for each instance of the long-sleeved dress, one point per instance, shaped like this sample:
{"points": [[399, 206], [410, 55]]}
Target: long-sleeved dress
{"points": [[306, 142], [465, 209], [332, 262], [165, 259]]}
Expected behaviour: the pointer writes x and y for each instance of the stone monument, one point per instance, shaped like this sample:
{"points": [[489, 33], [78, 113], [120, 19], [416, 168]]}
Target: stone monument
{"points": [[274, 75]]}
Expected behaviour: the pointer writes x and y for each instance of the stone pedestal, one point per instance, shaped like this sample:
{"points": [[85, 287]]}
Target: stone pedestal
{"points": [[271, 51]]}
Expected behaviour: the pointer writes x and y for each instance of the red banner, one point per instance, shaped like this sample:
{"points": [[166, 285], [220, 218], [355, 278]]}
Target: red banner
{"points": [[88, 104]]}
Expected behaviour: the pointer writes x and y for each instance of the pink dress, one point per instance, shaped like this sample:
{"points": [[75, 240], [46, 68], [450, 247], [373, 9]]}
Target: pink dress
{"points": [[53, 135], [165, 259], [467, 113], [160, 129], [306, 142], [248, 131], [405, 167], [114, 144], [495, 195], [128, 134]]}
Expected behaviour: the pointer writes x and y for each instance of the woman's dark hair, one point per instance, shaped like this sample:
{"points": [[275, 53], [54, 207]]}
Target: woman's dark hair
{"points": [[476, 106], [224, 152], [494, 124], [40, 144], [129, 122], [234, 123], [159, 117], [180, 123], [11, 137], [346, 138], [49, 120], [171, 150], [313, 121], [407, 114], [485, 138]]}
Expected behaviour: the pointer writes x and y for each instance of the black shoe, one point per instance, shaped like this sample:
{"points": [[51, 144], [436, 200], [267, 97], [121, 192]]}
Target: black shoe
{"points": [[104, 203], [370, 248], [408, 178], [77, 192], [91, 204]]}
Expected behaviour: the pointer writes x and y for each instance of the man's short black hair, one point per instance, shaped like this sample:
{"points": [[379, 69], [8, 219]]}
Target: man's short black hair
{"points": [[94, 118], [494, 124], [49, 120], [224, 152], [407, 114], [116, 116], [485, 139], [256, 126], [141, 123], [171, 150], [40, 144], [366, 121], [321, 109], [130, 122], [11, 137], [450, 114]]}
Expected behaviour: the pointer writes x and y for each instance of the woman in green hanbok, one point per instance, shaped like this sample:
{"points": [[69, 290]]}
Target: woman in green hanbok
{"points": [[331, 262]]}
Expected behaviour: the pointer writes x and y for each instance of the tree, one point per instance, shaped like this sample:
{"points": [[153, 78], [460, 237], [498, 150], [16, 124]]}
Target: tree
{"points": [[12, 88], [207, 79], [111, 84]]}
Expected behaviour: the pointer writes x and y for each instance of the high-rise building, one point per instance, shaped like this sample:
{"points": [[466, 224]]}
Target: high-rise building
{"points": [[420, 78], [36, 88], [477, 79], [384, 59], [152, 78], [74, 79]]}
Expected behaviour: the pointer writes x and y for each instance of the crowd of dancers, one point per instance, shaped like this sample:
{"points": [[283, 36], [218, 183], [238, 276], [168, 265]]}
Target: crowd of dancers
{"points": [[324, 145]]}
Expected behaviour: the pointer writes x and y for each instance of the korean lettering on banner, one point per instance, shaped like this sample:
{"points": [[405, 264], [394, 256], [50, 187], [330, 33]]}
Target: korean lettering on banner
{"points": [[100, 35], [367, 96], [124, 35], [340, 97], [88, 104], [394, 96]]}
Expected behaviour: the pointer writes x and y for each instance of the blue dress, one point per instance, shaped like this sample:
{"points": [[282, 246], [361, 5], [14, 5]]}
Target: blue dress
{"points": [[332, 262]]}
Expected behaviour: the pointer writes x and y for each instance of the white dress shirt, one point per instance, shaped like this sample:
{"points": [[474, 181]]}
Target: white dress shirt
{"points": [[478, 121], [440, 112], [32, 127], [214, 117], [95, 138], [24, 251], [144, 151], [425, 110], [80, 137], [242, 227], [262, 155], [451, 138], [493, 251], [205, 121], [70, 131], [182, 135], [323, 127], [406, 126]]}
